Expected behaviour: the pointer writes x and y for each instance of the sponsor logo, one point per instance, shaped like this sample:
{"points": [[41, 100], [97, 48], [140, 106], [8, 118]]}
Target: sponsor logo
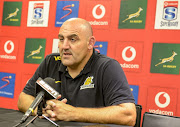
{"points": [[167, 15], [7, 83], [6, 80], [12, 13], [135, 92], [169, 59], [88, 83], [94, 11], [38, 10], [8, 48], [162, 100], [165, 58], [38, 14], [8, 51], [98, 14], [170, 12], [34, 50], [131, 56], [37, 51], [66, 10], [101, 47], [158, 103], [132, 14]]}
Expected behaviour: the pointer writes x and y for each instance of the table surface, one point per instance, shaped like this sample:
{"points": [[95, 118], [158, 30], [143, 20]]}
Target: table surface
{"points": [[9, 118]]}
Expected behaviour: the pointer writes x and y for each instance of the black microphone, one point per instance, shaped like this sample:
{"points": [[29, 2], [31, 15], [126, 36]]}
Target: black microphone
{"points": [[44, 91]]}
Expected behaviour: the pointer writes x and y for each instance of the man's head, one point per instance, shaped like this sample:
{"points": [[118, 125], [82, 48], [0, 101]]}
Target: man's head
{"points": [[76, 42]]}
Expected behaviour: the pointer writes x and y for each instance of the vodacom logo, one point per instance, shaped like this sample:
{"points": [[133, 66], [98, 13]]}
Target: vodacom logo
{"points": [[103, 11], [132, 56], [160, 104], [8, 51]]}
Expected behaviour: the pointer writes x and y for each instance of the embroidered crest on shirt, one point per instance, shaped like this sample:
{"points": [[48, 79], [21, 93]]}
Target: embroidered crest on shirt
{"points": [[88, 83]]}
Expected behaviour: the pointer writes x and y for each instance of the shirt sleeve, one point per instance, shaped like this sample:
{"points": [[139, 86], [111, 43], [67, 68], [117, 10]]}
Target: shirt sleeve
{"points": [[115, 85], [30, 87]]}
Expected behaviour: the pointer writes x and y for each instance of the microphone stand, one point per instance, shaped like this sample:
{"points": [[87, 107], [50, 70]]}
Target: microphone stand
{"points": [[39, 113]]}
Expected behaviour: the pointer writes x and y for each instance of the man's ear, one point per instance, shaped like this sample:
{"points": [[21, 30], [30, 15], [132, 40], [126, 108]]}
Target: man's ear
{"points": [[92, 41]]}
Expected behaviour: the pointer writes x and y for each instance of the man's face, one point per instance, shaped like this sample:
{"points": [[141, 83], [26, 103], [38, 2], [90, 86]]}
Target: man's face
{"points": [[73, 45]]}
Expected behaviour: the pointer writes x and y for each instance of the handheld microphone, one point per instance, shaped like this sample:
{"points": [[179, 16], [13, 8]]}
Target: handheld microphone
{"points": [[44, 91]]}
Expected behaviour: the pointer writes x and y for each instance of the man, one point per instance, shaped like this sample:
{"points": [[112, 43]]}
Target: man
{"points": [[93, 87]]}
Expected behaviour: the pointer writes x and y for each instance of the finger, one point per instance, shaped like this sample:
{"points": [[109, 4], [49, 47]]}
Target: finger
{"points": [[51, 103], [64, 100], [53, 119], [48, 107], [58, 97], [50, 113]]}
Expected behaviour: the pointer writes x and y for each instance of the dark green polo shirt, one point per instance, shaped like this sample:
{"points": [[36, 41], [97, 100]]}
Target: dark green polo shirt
{"points": [[102, 82]]}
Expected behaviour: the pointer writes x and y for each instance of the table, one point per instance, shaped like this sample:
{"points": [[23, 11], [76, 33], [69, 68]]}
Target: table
{"points": [[9, 118]]}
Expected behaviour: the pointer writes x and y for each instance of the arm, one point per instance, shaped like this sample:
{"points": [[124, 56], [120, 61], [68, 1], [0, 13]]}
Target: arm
{"points": [[124, 114], [24, 101]]}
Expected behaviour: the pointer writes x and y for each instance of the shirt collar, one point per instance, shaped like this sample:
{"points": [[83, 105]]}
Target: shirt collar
{"points": [[87, 67]]}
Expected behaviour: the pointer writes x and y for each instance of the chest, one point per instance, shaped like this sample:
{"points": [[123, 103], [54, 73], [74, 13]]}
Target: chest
{"points": [[84, 90]]}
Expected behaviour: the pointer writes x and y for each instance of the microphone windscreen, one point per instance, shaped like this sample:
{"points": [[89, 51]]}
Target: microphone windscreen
{"points": [[52, 84], [48, 85]]}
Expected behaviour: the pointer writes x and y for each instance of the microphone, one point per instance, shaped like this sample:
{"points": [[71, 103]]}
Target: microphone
{"points": [[44, 91]]}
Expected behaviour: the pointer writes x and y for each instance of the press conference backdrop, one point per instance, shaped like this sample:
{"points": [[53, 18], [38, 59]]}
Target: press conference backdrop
{"points": [[142, 35]]}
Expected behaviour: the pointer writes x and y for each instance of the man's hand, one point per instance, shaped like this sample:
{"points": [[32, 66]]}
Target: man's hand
{"points": [[58, 110], [123, 114]]}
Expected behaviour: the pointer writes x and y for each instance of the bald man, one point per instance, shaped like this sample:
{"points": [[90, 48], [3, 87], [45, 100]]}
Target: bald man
{"points": [[92, 87]]}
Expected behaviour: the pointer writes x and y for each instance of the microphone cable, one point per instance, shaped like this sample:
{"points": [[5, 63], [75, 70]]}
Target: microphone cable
{"points": [[17, 124]]}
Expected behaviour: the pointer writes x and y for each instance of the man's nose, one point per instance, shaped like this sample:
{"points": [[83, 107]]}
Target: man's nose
{"points": [[65, 44]]}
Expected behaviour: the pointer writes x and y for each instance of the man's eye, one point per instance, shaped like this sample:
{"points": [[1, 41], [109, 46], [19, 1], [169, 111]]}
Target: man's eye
{"points": [[61, 40], [73, 39]]}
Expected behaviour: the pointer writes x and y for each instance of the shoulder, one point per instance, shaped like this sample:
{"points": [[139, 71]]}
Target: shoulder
{"points": [[105, 60]]}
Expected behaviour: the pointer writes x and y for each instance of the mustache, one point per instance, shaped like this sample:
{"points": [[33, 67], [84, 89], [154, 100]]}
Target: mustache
{"points": [[66, 52]]}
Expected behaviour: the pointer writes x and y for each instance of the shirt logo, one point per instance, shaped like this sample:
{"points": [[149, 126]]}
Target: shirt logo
{"points": [[88, 83]]}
